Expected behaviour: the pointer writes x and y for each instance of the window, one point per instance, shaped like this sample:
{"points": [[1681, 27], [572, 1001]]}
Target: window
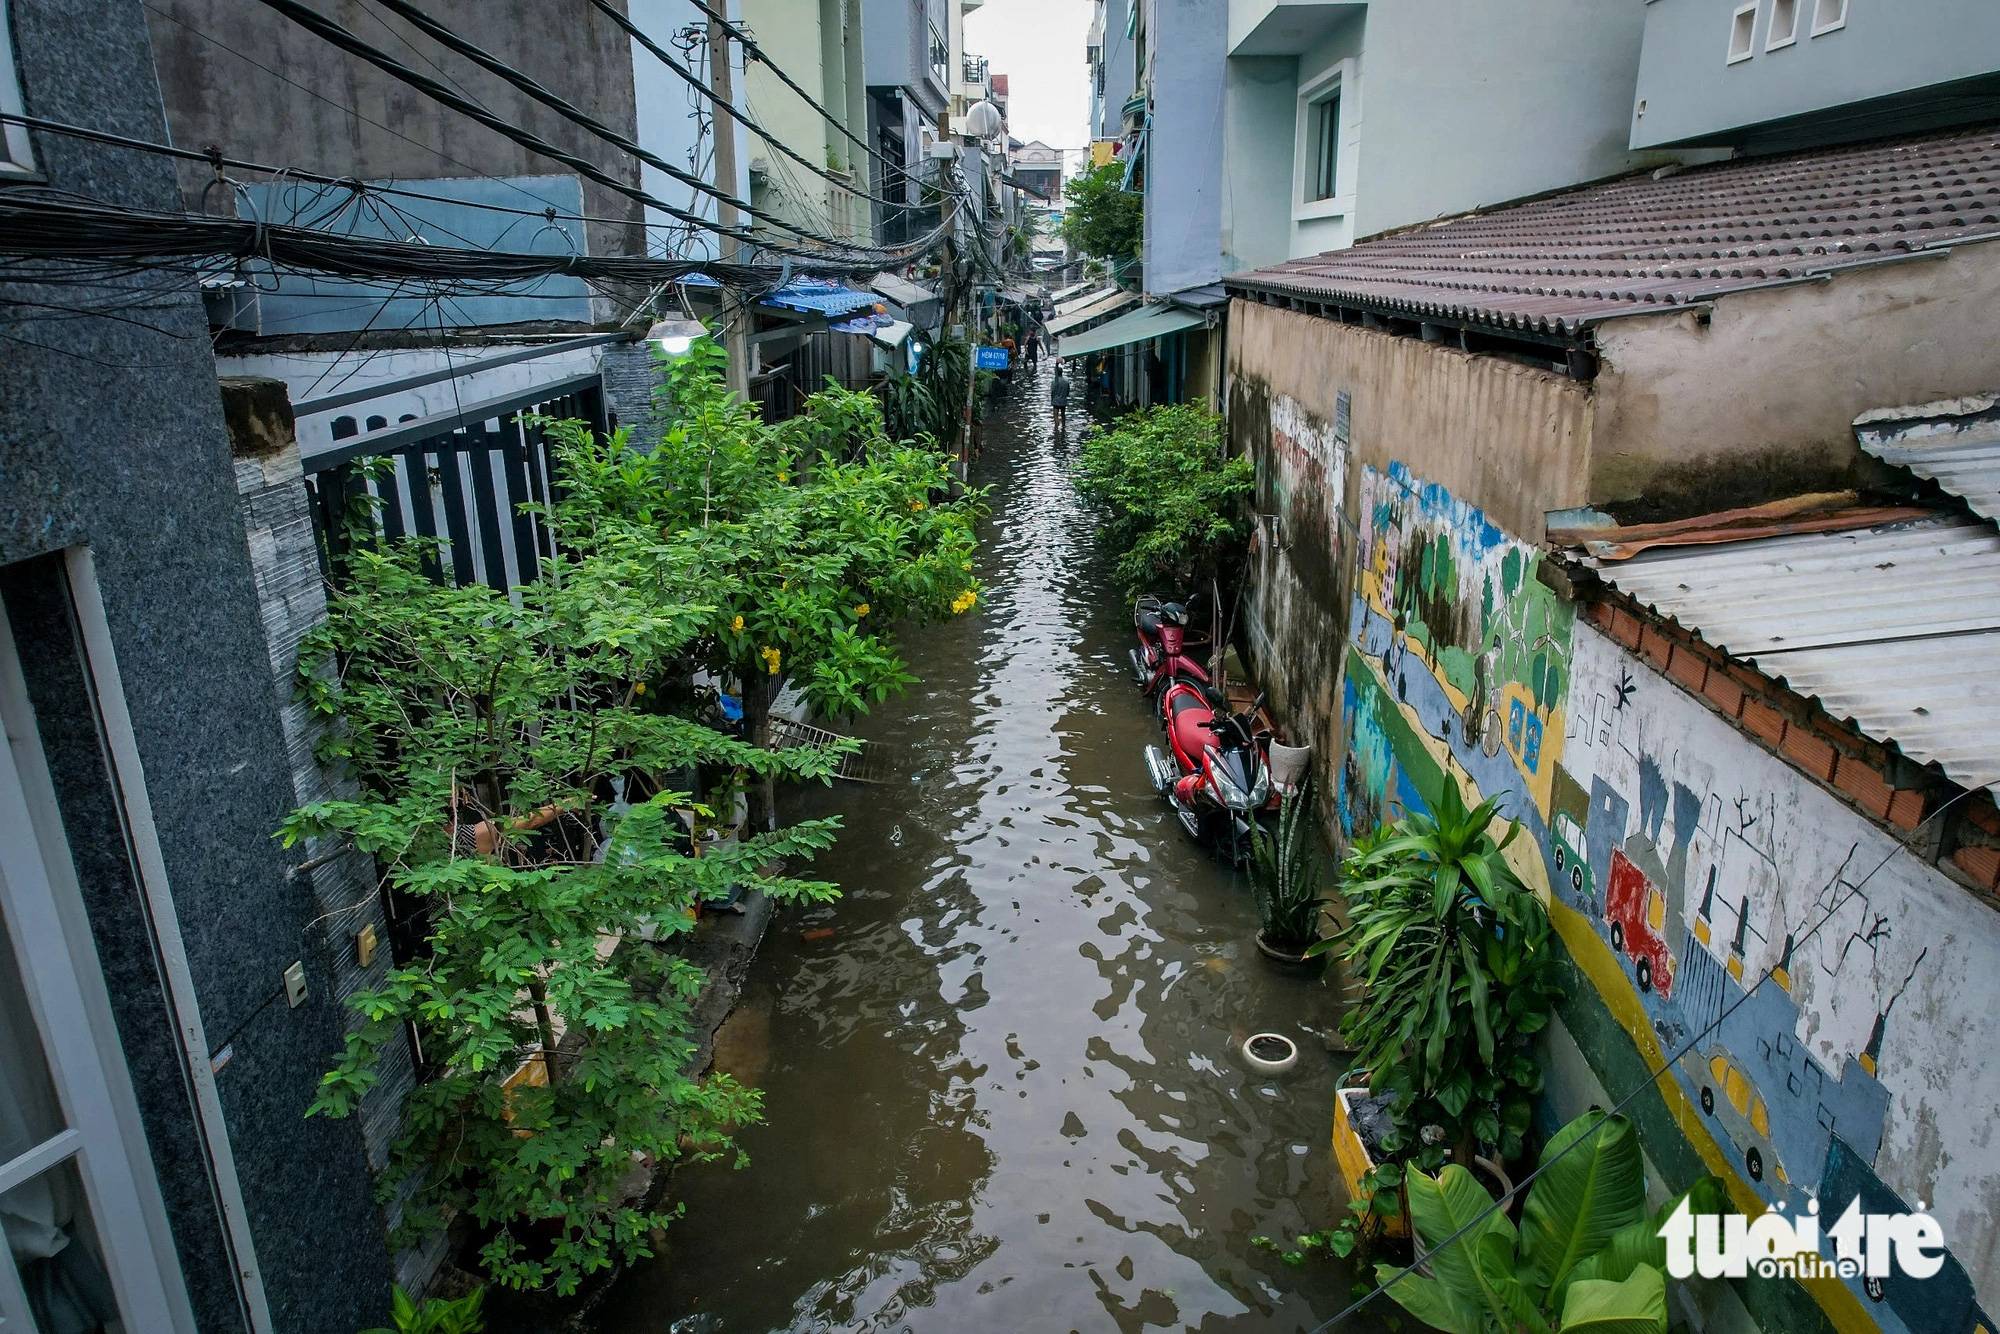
{"points": [[17, 156], [1742, 27], [1829, 15], [79, 1255], [1784, 29], [1326, 148]]}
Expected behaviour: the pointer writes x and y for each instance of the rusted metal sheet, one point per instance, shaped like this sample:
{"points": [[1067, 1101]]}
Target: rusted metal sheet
{"points": [[1830, 512], [1895, 627], [1640, 244]]}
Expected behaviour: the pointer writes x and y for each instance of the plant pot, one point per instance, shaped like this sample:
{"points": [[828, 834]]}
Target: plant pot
{"points": [[1351, 1155], [1288, 765], [1273, 952], [1270, 1053]]}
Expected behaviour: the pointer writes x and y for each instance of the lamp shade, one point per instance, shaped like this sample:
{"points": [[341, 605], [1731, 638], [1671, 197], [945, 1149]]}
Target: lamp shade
{"points": [[675, 336]]}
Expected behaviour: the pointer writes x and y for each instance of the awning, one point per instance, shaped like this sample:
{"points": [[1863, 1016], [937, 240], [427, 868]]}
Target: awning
{"points": [[901, 290], [892, 334], [1136, 327], [1097, 310], [1079, 297], [1068, 292]]}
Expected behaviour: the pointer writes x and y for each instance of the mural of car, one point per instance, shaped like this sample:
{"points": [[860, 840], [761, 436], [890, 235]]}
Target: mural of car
{"points": [[1566, 846], [1637, 912], [1728, 1092]]}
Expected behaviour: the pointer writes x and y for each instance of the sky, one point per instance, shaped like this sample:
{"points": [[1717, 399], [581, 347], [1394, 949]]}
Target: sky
{"points": [[1038, 45]]}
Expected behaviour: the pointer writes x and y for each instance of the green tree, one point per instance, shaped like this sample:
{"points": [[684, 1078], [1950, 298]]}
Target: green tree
{"points": [[808, 541], [1172, 502], [522, 789], [1100, 217]]}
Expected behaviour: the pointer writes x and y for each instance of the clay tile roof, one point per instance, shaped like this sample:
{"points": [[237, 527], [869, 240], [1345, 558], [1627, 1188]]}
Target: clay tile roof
{"points": [[1634, 245]]}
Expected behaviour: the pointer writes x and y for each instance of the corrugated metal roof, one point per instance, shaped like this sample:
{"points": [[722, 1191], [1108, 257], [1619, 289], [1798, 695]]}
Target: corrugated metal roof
{"points": [[1109, 304], [1896, 628], [1642, 244], [1955, 443]]}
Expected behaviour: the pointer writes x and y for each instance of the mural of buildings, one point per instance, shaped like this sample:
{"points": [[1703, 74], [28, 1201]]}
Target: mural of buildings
{"points": [[1818, 993]]}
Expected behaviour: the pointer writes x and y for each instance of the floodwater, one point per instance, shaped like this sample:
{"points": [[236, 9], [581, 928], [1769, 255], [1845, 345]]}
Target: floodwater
{"points": [[1003, 1092]]}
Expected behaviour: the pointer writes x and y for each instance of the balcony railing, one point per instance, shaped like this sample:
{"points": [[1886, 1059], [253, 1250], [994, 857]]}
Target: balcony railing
{"points": [[975, 69]]}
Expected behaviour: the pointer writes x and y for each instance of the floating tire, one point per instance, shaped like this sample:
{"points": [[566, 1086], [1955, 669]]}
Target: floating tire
{"points": [[1270, 1053]]}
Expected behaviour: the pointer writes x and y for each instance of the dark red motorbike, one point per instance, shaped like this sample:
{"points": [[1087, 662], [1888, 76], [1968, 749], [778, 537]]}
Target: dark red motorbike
{"points": [[1163, 651], [1213, 770]]}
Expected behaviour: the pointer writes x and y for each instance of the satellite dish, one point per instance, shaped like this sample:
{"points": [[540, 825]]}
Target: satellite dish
{"points": [[983, 121]]}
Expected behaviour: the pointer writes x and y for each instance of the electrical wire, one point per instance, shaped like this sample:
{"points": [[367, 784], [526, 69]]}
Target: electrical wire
{"points": [[577, 116], [1624, 1102], [716, 100], [336, 35], [756, 53]]}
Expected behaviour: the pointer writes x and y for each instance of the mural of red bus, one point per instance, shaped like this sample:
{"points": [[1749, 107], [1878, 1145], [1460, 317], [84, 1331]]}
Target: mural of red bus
{"points": [[1637, 912]]}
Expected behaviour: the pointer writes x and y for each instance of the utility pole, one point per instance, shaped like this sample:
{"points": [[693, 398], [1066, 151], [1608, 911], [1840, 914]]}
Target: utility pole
{"points": [[735, 313]]}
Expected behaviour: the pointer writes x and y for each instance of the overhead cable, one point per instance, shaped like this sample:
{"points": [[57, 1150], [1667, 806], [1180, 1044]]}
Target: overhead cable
{"points": [[333, 33], [687, 75], [756, 53], [487, 61]]}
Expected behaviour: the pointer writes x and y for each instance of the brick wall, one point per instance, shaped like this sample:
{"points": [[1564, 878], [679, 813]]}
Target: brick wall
{"points": [[1892, 790]]}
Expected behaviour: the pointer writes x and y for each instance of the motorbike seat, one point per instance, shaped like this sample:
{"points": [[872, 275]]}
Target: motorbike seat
{"points": [[1149, 623]]}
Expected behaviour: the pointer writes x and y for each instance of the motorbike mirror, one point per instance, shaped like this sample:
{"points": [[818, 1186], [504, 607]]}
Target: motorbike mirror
{"points": [[1262, 695]]}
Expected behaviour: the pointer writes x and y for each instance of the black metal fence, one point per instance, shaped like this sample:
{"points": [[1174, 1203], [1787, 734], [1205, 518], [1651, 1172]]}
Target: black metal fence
{"points": [[462, 477]]}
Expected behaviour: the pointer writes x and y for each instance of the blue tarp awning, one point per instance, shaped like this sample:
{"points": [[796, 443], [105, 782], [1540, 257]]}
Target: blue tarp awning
{"points": [[809, 296]]}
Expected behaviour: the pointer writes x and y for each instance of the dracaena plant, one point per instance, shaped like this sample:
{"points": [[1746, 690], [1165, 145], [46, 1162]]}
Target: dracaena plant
{"points": [[1453, 953], [1587, 1257]]}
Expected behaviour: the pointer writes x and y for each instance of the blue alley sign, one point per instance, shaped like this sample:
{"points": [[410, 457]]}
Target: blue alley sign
{"points": [[992, 359]]}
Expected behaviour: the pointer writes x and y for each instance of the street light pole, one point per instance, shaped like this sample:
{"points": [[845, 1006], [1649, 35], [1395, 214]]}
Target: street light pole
{"points": [[735, 313]]}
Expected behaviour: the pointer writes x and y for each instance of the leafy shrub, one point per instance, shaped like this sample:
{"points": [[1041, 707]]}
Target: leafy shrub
{"points": [[1284, 873], [1172, 501]]}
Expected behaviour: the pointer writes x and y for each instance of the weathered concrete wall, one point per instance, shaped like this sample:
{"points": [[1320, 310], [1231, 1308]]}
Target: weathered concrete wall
{"points": [[1515, 437], [1759, 401], [292, 99]]}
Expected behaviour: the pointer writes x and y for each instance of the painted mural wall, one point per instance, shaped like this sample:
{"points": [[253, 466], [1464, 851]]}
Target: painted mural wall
{"points": [[1836, 999]]}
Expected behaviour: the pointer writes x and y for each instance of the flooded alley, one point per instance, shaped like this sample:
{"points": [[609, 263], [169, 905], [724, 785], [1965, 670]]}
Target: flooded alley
{"points": [[1000, 1082]]}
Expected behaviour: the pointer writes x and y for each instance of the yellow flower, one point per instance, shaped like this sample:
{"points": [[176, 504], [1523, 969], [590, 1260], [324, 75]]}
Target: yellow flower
{"points": [[916, 505], [771, 658], [736, 625], [965, 565], [638, 687], [861, 610], [784, 476], [963, 603]]}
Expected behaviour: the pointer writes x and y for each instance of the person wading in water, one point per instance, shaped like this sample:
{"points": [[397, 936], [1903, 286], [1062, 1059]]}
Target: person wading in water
{"points": [[1059, 400]]}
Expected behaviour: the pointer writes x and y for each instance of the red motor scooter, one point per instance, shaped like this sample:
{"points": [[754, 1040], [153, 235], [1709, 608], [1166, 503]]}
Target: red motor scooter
{"points": [[1213, 770], [1161, 654]]}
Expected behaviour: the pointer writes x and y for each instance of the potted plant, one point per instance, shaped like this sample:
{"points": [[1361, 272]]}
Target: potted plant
{"points": [[1284, 879], [1453, 953], [1586, 1255]]}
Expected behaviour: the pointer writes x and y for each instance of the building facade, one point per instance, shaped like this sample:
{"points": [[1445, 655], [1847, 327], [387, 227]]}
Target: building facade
{"points": [[171, 991]]}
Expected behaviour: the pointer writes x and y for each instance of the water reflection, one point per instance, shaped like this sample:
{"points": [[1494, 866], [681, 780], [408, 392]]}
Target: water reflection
{"points": [[1002, 1094]]}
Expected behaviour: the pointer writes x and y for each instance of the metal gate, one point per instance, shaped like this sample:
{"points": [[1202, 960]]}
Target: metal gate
{"points": [[477, 479]]}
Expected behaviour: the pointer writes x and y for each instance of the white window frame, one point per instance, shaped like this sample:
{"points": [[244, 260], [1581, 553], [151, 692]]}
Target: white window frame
{"points": [[1338, 80], [1732, 56], [1834, 24], [20, 152], [1773, 41], [62, 979]]}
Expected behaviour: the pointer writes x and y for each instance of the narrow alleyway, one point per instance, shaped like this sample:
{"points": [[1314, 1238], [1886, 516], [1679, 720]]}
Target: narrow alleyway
{"points": [[1001, 1093]]}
